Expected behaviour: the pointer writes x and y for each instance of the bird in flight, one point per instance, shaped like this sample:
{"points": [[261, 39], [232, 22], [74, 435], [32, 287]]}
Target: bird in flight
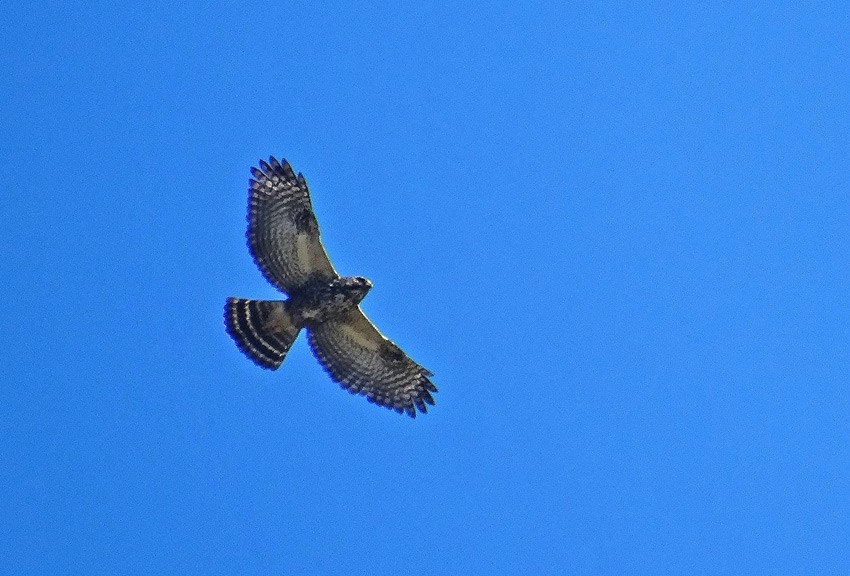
{"points": [[283, 237]]}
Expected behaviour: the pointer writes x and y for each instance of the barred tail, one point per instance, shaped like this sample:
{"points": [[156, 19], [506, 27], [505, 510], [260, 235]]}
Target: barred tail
{"points": [[262, 329]]}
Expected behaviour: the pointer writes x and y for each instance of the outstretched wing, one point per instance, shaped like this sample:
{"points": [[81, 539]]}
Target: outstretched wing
{"points": [[361, 359], [283, 235]]}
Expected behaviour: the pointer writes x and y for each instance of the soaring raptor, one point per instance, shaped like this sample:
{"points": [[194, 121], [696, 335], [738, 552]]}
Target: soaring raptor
{"points": [[283, 237]]}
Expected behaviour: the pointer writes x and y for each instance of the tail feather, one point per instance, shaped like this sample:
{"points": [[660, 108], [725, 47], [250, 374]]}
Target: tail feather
{"points": [[262, 329]]}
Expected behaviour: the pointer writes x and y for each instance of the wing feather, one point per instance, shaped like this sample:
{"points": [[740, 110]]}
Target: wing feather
{"points": [[361, 359], [283, 234]]}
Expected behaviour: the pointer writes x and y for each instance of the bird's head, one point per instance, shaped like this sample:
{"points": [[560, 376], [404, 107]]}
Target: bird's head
{"points": [[358, 287]]}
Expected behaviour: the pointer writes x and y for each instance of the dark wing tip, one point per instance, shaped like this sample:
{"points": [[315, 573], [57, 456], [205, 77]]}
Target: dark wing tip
{"points": [[273, 166], [418, 400], [420, 404]]}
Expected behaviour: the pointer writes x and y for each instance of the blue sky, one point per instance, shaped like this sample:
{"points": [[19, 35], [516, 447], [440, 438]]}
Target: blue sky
{"points": [[616, 232]]}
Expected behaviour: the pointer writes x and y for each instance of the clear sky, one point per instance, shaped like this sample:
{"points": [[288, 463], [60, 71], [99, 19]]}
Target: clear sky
{"points": [[616, 232]]}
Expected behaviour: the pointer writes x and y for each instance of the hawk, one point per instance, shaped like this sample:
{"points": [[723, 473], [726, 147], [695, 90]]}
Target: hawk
{"points": [[283, 237]]}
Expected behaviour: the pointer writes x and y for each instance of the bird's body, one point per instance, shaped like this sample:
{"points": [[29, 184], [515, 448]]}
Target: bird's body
{"points": [[283, 237], [324, 301]]}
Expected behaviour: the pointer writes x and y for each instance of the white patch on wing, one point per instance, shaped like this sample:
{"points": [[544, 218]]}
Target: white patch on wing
{"points": [[310, 314], [365, 340], [303, 252]]}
